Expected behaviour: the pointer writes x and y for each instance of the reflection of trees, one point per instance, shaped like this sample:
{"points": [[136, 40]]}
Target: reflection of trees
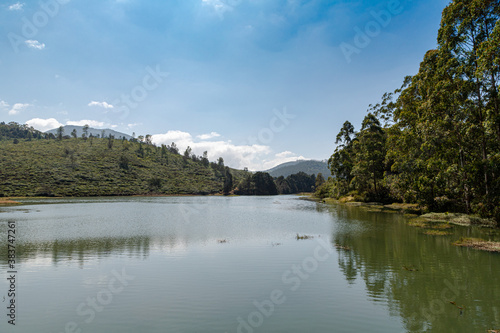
{"points": [[436, 273], [85, 249], [79, 249]]}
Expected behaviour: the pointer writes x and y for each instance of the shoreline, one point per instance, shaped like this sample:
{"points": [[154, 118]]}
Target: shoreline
{"points": [[436, 222], [414, 212], [8, 202]]}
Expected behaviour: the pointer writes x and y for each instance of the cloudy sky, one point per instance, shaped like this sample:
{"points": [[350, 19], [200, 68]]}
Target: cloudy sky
{"points": [[258, 82]]}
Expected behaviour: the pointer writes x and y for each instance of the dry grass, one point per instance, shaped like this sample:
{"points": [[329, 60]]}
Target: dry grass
{"points": [[7, 202], [478, 244], [458, 219]]}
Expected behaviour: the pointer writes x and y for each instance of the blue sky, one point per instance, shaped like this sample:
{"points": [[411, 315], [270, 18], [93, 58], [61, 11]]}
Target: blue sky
{"points": [[258, 82]]}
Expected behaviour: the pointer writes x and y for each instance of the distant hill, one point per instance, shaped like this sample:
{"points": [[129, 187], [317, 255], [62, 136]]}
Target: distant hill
{"points": [[94, 131], [309, 167]]}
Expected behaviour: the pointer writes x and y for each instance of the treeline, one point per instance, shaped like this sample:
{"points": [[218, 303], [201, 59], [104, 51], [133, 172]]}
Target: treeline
{"points": [[436, 140], [261, 183], [14, 130]]}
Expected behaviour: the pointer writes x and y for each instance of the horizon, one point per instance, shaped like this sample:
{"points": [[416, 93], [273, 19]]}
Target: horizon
{"points": [[258, 83]]}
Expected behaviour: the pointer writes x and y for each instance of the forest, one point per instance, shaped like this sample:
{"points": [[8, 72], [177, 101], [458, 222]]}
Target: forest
{"points": [[434, 141]]}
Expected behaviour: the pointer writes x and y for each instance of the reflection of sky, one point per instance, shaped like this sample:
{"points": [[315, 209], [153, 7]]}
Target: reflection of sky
{"points": [[82, 229]]}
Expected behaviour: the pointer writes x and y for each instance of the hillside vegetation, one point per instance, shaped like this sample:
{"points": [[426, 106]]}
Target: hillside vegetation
{"points": [[97, 167]]}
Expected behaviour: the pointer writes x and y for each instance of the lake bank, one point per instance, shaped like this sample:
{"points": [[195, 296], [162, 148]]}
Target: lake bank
{"points": [[433, 224], [8, 202], [413, 211]]}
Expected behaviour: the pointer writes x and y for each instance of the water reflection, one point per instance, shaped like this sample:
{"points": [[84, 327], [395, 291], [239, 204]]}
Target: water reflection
{"points": [[419, 275]]}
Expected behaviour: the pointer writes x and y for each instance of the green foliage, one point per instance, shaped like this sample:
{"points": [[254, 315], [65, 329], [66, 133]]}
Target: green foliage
{"points": [[440, 144], [228, 181], [14, 130], [260, 183], [123, 163]]}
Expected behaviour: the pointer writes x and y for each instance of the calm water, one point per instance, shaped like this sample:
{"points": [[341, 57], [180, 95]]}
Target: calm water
{"points": [[216, 264]]}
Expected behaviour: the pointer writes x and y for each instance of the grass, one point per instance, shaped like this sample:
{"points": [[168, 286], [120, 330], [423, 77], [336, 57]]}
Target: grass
{"points": [[478, 244], [77, 167]]}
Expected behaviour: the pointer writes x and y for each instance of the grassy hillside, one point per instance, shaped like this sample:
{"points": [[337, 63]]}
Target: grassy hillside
{"points": [[78, 167], [309, 167]]}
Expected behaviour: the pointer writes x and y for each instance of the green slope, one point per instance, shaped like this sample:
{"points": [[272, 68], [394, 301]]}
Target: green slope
{"points": [[77, 167]]}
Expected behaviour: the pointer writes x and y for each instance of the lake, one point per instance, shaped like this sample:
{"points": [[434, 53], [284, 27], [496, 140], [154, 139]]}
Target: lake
{"points": [[234, 264]]}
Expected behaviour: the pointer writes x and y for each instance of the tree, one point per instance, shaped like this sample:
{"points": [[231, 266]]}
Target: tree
{"points": [[60, 133], [123, 163], [370, 154], [204, 159], [187, 154], [220, 163], [469, 31], [74, 133], [228, 181], [85, 131], [173, 148], [341, 162], [164, 154], [264, 184], [155, 184], [320, 180], [140, 150], [111, 140]]}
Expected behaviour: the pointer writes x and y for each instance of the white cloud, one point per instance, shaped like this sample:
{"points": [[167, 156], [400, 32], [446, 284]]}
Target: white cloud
{"points": [[34, 44], [17, 108], [91, 123], [129, 126], [218, 6], [254, 157], [16, 6], [3, 104], [101, 104], [51, 123], [44, 124], [208, 136]]}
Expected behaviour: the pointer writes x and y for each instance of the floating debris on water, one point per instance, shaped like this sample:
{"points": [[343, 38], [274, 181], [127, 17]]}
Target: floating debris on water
{"points": [[304, 237]]}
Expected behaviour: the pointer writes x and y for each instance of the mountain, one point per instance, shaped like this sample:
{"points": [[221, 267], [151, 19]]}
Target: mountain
{"points": [[309, 167], [94, 131]]}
